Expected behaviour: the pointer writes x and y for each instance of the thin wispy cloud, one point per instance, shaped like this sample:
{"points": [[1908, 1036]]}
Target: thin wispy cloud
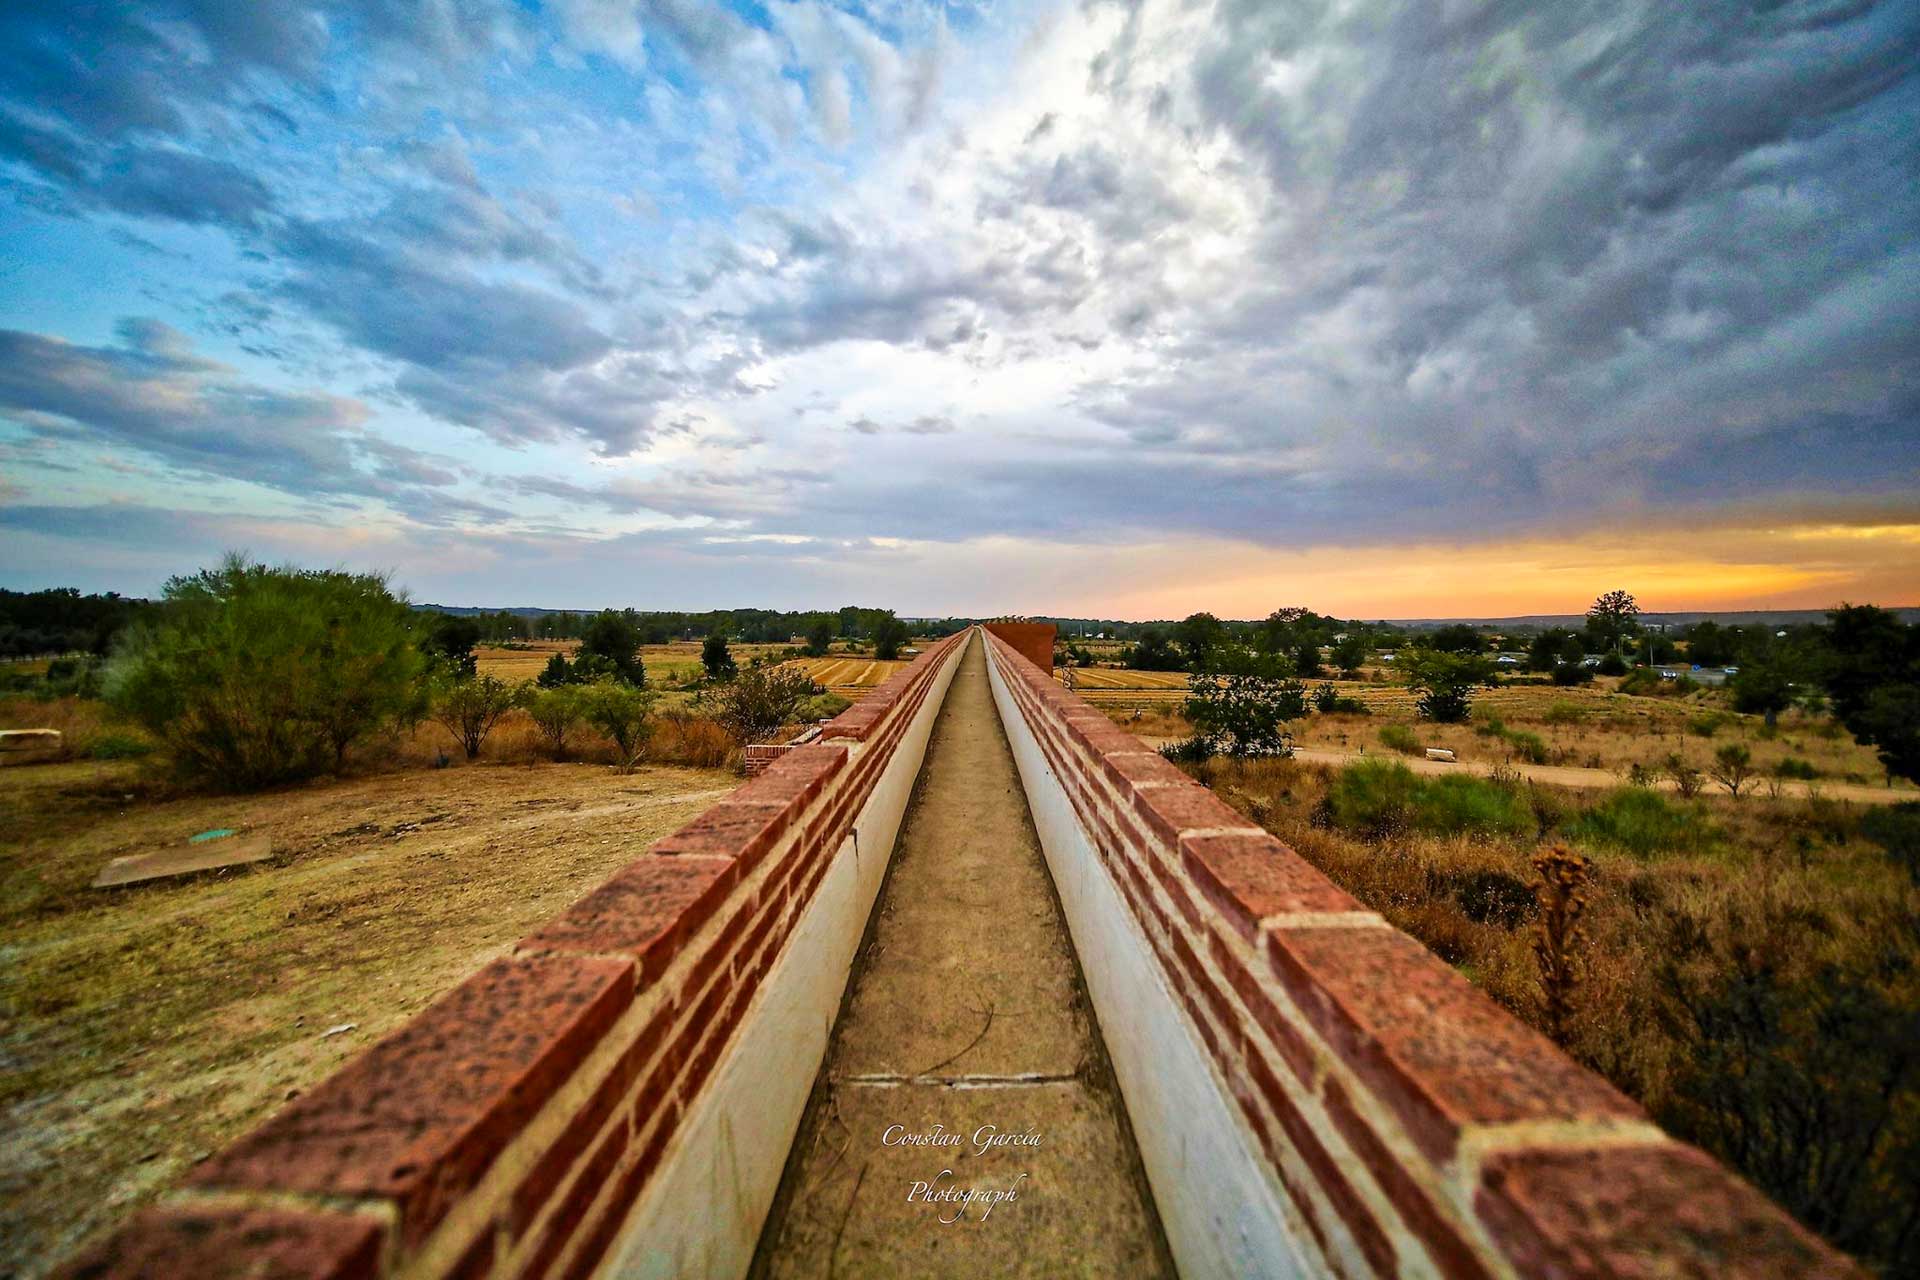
{"points": [[586, 284]]}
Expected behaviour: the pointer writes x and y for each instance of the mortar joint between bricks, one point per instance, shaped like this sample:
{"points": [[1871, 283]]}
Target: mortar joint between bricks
{"points": [[241, 1199]]}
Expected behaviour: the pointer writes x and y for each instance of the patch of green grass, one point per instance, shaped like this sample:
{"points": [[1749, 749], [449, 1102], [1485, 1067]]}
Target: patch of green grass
{"points": [[1705, 726], [1530, 747], [1564, 713], [1399, 737], [119, 746], [1644, 823], [1379, 797]]}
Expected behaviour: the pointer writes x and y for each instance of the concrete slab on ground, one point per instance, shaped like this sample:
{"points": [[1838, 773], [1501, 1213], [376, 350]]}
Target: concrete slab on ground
{"points": [[210, 855]]}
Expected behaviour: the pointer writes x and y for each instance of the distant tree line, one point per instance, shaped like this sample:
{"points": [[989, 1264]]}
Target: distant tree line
{"points": [[62, 620], [745, 626]]}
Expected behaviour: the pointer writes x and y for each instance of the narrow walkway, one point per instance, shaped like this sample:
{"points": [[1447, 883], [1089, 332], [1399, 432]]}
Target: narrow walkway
{"points": [[966, 1019]]}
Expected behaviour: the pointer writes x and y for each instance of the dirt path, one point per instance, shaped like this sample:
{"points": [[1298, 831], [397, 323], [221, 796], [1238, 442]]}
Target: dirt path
{"points": [[1572, 776], [967, 1016], [142, 1028]]}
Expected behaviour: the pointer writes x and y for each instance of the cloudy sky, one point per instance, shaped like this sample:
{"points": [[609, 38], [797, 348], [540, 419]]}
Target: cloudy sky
{"points": [[1422, 308]]}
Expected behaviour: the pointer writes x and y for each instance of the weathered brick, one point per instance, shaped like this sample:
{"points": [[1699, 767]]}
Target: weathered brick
{"points": [[1328, 1177], [1425, 1042], [1248, 877], [232, 1243], [1663, 1209], [738, 828], [1452, 1257], [647, 909], [1132, 764], [1194, 978], [419, 1117], [1187, 806], [563, 1225], [1261, 1005], [796, 777]]}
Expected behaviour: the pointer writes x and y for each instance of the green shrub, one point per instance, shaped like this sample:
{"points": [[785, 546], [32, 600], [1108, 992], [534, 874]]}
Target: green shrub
{"points": [[754, 706], [1612, 665], [1643, 823], [1458, 802], [624, 713], [1379, 797], [1373, 797], [1399, 737], [824, 706], [252, 676], [1564, 713], [1491, 726], [1530, 747], [1706, 725], [555, 711], [1568, 674], [119, 746], [1795, 767], [469, 709], [1896, 828]]}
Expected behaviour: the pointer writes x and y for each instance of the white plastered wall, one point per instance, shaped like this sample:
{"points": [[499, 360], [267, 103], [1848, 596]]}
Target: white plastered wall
{"points": [[1220, 1208], [701, 1213]]}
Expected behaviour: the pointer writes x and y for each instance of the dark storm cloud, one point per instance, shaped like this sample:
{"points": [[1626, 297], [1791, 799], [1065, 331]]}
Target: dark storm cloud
{"points": [[152, 394]]}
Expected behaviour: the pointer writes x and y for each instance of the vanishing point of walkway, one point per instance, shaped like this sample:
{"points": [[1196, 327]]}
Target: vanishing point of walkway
{"points": [[966, 1021]]}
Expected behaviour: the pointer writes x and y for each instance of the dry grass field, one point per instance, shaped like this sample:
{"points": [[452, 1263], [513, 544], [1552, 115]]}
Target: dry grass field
{"points": [[1744, 966], [1586, 727], [145, 1027]]}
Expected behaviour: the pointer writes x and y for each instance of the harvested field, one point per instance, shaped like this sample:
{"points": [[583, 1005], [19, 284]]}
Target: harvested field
{"points": [[666, 664], [143, 1028], [848, 674]]}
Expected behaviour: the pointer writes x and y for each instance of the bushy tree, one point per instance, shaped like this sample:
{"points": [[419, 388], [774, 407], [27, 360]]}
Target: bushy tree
{"points": [[556, 710], [451, 641], [1349, 653], [1871, 664], [1198, 634], [611, 646], [1763, 688], [469, 709], [888, 636], [557, 672], [1547, 650], [1241, 702], [1610, 619], [1445, 681], [1152, 653], [717, 659], [252, 676], [1306, 660], [1457, 637], [624, 713], [753, 707], [820, 638]]}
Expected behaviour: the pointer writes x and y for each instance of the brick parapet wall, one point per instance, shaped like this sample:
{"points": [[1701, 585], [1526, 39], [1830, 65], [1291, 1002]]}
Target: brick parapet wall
{"points": [[1411, 1125], [507, 1129], [1031, 640]]}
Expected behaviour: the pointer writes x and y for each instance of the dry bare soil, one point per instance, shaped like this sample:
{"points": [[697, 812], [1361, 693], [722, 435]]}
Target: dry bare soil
{"points": [[143, 1028]]}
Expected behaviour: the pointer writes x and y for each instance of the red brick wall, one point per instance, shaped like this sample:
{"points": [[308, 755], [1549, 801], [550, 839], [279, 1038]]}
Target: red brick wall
{"points": [[1031, 640], [1413, 1125], [508, 1128]]}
